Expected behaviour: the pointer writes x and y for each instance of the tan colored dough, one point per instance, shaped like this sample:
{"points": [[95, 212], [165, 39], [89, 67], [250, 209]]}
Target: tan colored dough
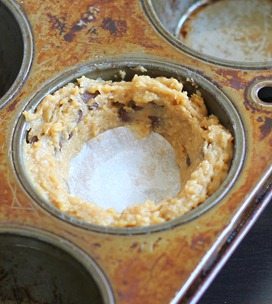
{"points": [[64, 121]]}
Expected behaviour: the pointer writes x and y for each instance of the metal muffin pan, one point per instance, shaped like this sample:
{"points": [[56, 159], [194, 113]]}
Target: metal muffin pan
{"points": [[98, 38]]}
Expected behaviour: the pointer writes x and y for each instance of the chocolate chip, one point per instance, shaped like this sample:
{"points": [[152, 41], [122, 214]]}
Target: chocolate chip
{"points": [[188, 160], [31, 140], [80, 115], [117, 104], [93, 106], [123, 115], [34, 139], [133, 105], [86, 96], [155, 121], [70, 135]]}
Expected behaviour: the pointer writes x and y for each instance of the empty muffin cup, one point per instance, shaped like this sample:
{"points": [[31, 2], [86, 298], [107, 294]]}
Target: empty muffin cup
{"points": [[38, 268], [151, 135], [16, 49], [228, 32]]}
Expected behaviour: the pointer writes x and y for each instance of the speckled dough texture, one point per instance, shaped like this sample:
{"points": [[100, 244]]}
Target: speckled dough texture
{"points": [[78, 112]]}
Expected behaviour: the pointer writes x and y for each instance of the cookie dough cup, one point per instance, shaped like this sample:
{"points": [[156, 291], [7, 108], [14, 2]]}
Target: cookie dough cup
{"points": [[78, 112]]}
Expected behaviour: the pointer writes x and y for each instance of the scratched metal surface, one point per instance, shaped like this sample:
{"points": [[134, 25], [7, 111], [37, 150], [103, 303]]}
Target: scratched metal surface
{"points": [[149, 268]]}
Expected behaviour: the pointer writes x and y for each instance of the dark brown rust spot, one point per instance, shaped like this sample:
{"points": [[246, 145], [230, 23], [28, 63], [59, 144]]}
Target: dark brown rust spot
{"points": [[156, 243], [97, 245], [200, 241], [115, 27], [134, 245], [31, 140], [184, 31], [13, 105], [57, 23], [69, 37], [266, 128], [86, 18], [233, 78]]}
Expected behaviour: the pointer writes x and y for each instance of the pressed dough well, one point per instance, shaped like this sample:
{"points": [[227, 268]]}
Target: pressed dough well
{"points": [[64, 121]]}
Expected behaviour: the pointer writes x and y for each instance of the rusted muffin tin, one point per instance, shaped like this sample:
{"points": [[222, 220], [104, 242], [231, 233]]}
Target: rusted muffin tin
{"points": [[84, 263]]}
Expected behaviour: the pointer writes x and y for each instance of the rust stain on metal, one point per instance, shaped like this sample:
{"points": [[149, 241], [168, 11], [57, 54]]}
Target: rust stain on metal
{"points": [[184, 31], [161, 260], [157, 242], [115, 27], [137, 276], [266, 127], [57, 23], [233, 78], [97, 245], [186, 27], [134, 245], [199, 241], [12, 106], [87, 17]]}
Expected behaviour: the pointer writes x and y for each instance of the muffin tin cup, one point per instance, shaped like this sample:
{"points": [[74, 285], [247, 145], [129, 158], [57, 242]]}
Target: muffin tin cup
{"points": [[16, 50], [98, 39], [213, 30], [37, 267], [215, 100]]}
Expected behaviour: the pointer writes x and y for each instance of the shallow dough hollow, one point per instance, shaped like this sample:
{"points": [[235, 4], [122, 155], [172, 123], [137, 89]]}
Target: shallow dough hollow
{"points": [[78, 112]]}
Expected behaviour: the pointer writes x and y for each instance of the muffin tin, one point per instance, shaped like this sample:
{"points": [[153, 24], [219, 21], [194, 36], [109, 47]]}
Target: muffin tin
{"points": [[164, 263], [40, 268], [226, 32]]}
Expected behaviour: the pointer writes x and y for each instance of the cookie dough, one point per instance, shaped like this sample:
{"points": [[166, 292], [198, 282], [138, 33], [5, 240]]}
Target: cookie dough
{"points": [[78, 112]]}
